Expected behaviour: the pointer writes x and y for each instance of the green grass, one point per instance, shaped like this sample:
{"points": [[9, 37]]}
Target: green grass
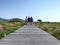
{"points": [[9, 28], [51, 27]]}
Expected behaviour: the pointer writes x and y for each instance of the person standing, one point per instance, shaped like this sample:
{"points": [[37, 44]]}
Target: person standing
{"points": [[31, 20], [26, 20]]}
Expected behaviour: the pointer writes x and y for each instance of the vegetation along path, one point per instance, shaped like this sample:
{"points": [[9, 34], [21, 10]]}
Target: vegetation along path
{"points": [[29, 35]]}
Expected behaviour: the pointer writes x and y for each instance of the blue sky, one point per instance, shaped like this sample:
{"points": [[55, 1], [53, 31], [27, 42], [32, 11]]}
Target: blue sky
{"points": [[46, 10]]}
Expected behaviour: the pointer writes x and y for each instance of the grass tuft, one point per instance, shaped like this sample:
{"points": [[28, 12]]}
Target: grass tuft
{"points": [[51, 27]]}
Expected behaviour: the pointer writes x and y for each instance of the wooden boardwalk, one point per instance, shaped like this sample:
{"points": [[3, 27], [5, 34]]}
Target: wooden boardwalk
{"points": [[29, 35]]}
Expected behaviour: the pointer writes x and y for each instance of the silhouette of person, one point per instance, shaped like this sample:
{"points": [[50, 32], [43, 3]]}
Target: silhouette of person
{"points": [[28, 19], [31, 20]]}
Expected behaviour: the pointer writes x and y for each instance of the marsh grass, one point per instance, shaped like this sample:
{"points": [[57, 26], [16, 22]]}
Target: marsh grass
{"points": [[9, 28], [51, 27]]}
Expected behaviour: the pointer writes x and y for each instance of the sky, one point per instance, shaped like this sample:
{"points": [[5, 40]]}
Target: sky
{"points": [[45, 10]]}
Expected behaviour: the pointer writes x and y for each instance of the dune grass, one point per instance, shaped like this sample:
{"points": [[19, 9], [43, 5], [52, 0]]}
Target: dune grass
{"points": [[9, 28], [51, 27]]}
